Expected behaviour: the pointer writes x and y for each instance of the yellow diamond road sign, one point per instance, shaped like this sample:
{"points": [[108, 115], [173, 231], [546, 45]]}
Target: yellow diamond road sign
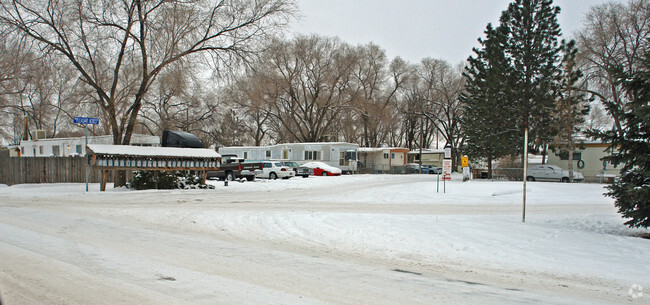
{"points": [[465, 161]]}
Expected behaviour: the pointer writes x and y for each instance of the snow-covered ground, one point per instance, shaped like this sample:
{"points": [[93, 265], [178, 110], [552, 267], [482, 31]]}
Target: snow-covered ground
{"points": [[361, 239]]}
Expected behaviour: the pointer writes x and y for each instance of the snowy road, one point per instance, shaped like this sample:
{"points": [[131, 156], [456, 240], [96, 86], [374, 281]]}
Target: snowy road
{"points": [[321, 240]]}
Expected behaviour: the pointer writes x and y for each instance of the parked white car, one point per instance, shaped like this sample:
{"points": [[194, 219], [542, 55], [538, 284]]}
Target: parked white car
{"points": [[551, 173], [274, 170]]}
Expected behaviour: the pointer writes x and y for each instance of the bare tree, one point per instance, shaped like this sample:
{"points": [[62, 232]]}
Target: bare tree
{"points": [[248, 114], [614, 38], [121, 47], [415, 130], [12, 64], [179, 101], [229, 129], [11, 61], [41, 90], [305, 83], [373, 87], [441, 85]]}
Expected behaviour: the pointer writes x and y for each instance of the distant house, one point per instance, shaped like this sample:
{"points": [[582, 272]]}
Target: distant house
{"points": [[338, 154], [65, 147], [432, 157], [589, 158], [382, 159]]}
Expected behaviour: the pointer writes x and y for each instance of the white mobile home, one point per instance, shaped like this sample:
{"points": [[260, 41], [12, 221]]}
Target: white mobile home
{"points": [[65, 147], [339, 154], [430, 157], [588, 161], [383, 159]]}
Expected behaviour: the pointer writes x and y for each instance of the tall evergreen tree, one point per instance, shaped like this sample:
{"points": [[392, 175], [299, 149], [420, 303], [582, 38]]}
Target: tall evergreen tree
{"points": [[631, 147], [487, 128], [514, 81], [533, 49]]}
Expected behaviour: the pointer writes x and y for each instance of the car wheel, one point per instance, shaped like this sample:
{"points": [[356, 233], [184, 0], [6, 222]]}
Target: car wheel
{"points": [[250, 178], [324, 173], [273, 176], [530, 178], [566, 179], [230, 176]]}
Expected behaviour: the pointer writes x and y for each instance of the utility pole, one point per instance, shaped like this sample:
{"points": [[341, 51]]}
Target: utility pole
{"points": [[523, 215], [421, 138], [86, 155]]}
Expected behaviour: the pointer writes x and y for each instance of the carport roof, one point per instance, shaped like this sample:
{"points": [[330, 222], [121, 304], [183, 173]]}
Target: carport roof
{"points": [[127, 150]]}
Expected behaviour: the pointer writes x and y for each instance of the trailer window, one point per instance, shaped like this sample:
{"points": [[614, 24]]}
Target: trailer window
{"points": [[564, 155], [312, 155]]}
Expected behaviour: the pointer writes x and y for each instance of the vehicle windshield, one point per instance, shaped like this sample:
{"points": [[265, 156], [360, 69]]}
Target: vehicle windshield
{"points": [[290, 163], [278, 164]]}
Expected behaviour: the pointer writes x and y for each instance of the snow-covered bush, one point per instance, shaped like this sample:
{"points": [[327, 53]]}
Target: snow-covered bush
{"points": [[188, 182], [144, 180]]}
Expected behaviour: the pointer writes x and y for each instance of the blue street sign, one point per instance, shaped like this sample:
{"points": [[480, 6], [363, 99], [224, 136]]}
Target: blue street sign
{"points": [[84, 120]]}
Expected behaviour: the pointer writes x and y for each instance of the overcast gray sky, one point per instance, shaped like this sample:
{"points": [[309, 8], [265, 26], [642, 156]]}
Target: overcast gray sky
{"points": [[415, 29]]}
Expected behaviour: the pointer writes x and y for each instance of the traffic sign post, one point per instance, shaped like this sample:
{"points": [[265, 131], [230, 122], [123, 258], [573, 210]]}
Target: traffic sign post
{"points": [[85, 121], [446, 167], [446, 173], [465, 164]]}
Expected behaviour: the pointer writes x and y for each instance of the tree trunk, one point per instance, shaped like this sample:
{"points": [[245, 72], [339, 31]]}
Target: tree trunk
{"points": [[489, 162], [119, 178], [570, 163]]}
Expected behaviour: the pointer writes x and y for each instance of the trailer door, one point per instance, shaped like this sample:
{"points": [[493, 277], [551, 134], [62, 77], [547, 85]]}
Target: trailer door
{"points": [[351, 159]]}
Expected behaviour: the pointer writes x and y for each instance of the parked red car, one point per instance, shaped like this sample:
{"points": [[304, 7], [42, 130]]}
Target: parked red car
{"points": [[322, 169]]}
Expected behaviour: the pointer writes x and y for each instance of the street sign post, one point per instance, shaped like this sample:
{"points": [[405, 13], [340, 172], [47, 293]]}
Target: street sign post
{"points": [[86, 121]]}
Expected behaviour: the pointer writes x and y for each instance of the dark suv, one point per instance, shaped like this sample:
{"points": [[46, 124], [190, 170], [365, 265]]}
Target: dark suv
{"points": [[300, 170]]}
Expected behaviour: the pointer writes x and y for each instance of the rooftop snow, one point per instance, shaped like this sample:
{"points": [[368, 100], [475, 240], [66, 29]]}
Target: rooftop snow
{"points": [[376, 149], [127, 150]]}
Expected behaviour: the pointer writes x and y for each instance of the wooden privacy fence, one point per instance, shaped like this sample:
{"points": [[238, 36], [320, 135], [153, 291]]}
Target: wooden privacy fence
{"points": [[18, 170]]}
